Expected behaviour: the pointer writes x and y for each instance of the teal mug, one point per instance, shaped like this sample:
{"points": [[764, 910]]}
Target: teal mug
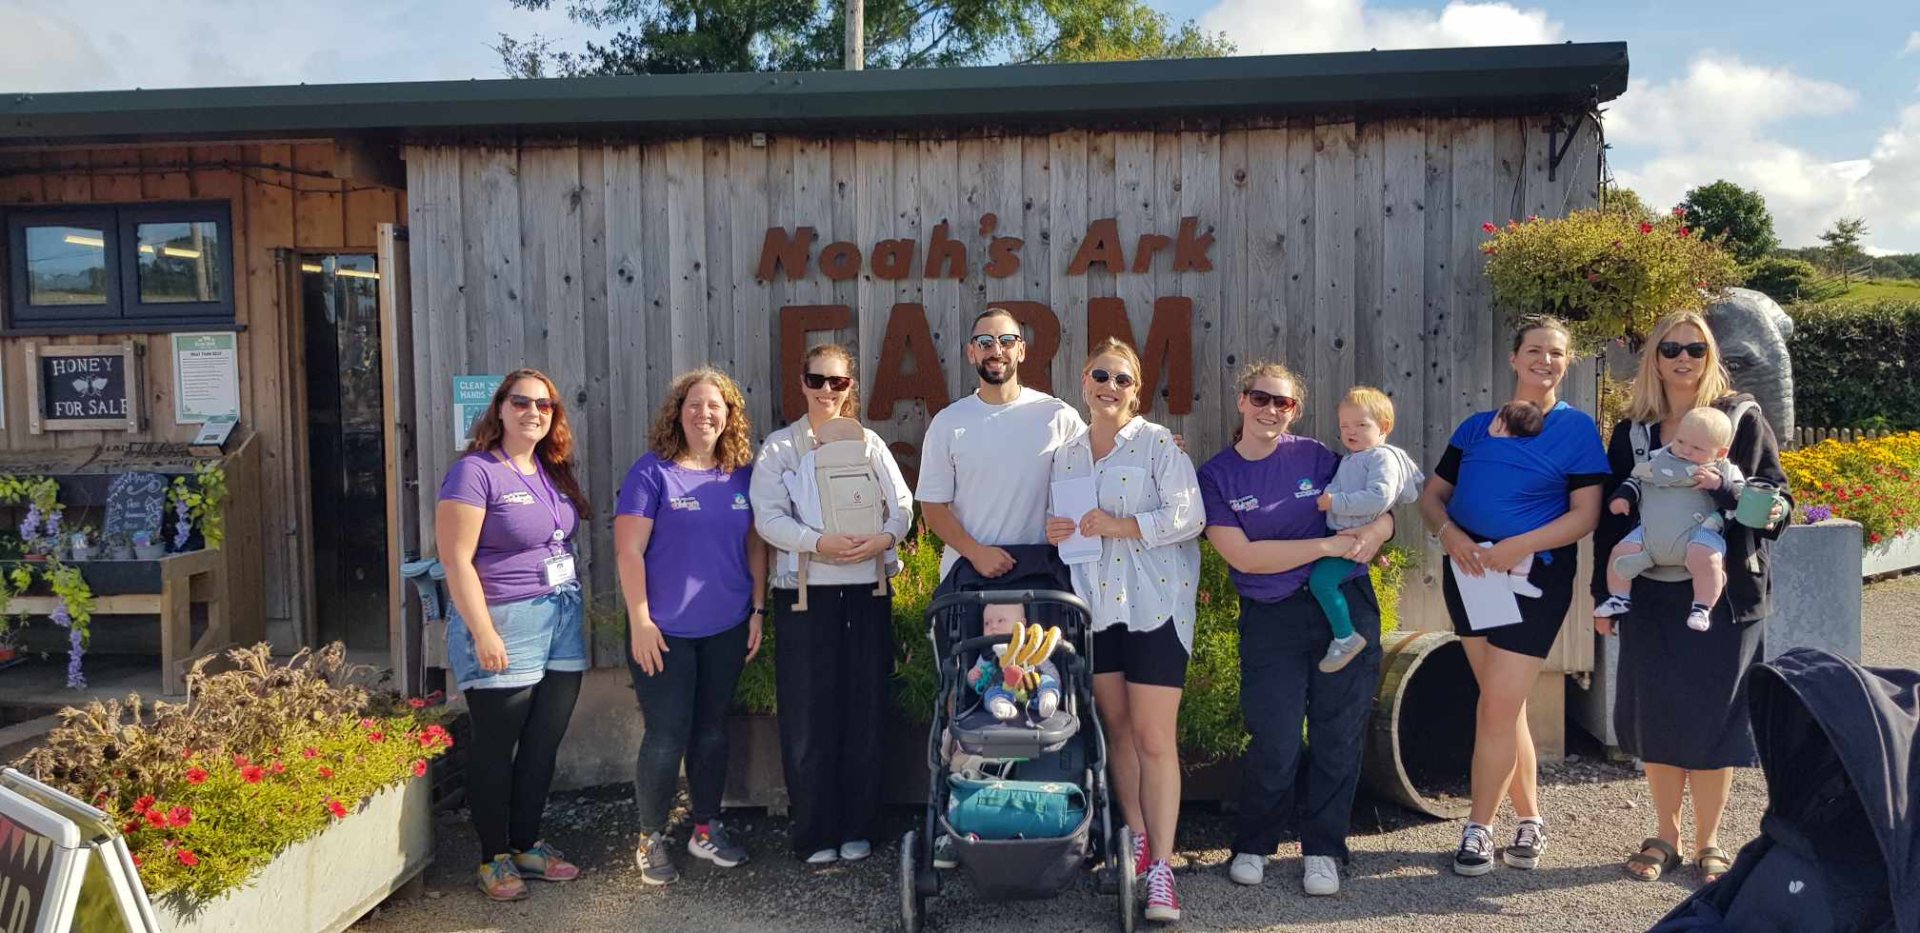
{"points": [[1756, 504]]}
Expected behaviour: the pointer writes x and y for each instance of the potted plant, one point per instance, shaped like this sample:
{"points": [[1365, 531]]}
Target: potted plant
{"points": [[145, 548], [118, 547], [80, 543]]}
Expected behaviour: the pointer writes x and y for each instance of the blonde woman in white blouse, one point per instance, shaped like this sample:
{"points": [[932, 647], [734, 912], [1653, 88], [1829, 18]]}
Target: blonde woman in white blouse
{"points": [[1142, 593]]}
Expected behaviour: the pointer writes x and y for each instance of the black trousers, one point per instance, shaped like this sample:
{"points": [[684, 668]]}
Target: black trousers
{"points": [[836, 660], [516, 739], [683, 711], [1280, 684]]}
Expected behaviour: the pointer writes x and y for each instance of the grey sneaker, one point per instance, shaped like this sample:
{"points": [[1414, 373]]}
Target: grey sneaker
{"points": [[1529, 841], [653, 860], [716, 846], [1475, 855], [1341, 651], [943, 854], [855, 850]]}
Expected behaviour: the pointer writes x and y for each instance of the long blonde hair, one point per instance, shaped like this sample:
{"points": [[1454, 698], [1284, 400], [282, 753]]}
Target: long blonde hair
{"points": [[668, 440], [1254, 372], [1648, 401], [1114, 346]]}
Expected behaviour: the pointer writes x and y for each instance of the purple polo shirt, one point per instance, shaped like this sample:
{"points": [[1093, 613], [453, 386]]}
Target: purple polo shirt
{"points": [[1271, 499], [698, 583], [516, 536]]}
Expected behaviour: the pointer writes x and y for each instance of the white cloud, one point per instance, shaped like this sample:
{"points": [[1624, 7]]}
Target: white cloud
{"points": [[1272, 27], [1913, 42]]}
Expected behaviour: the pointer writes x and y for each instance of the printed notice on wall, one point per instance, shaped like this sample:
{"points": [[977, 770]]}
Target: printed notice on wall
{"points": [[206, 377], [471, 394]]}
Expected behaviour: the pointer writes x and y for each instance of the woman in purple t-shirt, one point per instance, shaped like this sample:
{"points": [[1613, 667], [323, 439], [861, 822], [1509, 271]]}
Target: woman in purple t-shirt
{"points": [[504, 527], [1262, 515], [692, 571]]}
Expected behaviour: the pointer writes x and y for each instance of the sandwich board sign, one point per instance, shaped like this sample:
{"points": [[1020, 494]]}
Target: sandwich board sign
{"points": [[63, 867]]}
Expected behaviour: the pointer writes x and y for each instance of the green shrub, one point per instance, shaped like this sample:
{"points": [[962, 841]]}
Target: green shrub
{"points": [[1782, 278], [1856, 364]]}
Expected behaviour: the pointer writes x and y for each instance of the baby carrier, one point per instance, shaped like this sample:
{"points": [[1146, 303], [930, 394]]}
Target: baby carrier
{"points": [[852, 500], [1837, 849], [1666, 530]]}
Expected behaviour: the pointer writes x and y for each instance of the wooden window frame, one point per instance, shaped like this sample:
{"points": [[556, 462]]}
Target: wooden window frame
{"points": [[123, 312]]}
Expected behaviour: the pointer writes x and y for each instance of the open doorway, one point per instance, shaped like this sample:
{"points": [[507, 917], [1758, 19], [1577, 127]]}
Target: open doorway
{"points": [[346, 444]]}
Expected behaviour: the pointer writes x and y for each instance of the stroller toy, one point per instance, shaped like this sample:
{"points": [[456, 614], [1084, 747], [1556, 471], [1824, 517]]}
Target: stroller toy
{"points": [[1018, 676]]}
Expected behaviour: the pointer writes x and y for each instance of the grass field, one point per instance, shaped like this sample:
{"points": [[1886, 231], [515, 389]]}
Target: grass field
{"points": [[1884, 289]]}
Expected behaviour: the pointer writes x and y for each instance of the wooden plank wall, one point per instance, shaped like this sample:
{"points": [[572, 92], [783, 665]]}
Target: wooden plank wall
{"points": [[274, 208], [1348, 250]]}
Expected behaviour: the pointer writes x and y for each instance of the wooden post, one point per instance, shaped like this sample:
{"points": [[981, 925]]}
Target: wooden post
{"points": [[856, 35]]}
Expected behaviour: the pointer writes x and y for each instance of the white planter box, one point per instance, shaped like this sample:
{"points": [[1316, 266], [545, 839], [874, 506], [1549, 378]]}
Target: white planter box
{"points": [[1901, 552], [324, 884]]}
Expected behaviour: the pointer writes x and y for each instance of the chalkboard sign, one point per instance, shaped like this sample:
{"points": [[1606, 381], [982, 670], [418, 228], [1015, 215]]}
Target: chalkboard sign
{"points": [[83, 388], [136, 502]]}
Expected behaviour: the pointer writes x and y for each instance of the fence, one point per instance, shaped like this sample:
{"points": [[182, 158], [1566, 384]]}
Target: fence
{"points": [[1805, 437]]}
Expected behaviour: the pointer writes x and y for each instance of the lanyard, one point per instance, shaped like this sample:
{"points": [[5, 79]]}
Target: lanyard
{"points": [[552, 500]]}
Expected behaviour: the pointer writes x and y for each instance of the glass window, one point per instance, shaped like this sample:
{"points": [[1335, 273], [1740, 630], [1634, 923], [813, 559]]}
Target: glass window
{"points": [[66, 265], [179, 261]]}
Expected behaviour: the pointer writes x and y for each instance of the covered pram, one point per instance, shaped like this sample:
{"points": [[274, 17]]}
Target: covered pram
{"points": [[1066, 748], [1837, 848]]}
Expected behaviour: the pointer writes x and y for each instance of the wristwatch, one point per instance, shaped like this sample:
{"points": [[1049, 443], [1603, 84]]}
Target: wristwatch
{"points": [[759, 610]]}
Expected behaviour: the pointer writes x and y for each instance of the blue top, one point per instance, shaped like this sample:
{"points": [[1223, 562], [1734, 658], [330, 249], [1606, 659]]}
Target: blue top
{"points": [[1271, 499], [1506, 486]]}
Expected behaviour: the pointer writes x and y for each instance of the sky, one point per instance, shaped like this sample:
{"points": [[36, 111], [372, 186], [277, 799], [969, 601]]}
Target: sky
{"points": [[1817, 106]]}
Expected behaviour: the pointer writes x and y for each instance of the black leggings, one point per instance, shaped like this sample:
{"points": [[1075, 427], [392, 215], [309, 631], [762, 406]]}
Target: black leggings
{"points": [[683, 712], [516, 738]]}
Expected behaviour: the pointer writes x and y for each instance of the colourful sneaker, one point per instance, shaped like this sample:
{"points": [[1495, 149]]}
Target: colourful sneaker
{"points": [[1140, 856], [1163, 902], [500, 880], [715, 846], [654, 861], [1616, 605], [545, 863]]}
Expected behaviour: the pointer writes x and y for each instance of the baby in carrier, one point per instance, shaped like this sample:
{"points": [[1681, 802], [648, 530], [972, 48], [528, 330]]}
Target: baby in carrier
{"points": [[1680, 523], [838, 489]]}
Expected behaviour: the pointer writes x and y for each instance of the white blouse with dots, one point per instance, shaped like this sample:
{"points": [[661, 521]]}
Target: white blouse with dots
{"points": [[1141, 583]]}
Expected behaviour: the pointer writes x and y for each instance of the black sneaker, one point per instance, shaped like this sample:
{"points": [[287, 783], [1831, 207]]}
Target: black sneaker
{"points": [[1529, 841], [1475, 856], [716, 846], [944, 856], [651, 857]]}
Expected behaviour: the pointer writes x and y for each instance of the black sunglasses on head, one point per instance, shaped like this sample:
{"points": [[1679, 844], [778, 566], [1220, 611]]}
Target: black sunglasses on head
{"points": [[816, 380], [1263, 399], [1672, 349], [1101, 376], [986, 341], [522, 403]]}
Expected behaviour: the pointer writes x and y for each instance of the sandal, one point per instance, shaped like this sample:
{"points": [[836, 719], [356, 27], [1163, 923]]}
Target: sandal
{"points": [[1669, 860], [1712, 862]]}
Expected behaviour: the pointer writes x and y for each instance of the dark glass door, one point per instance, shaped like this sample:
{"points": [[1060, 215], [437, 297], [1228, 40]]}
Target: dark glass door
{"points": [[346, 441]]}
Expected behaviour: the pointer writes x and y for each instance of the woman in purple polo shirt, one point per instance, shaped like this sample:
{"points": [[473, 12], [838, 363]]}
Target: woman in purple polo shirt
{"points": [[504, 526], [1260, 495], [692, 571]]}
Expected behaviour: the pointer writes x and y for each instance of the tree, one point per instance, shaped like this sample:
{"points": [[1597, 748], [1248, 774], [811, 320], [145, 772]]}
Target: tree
{"points": [[1780, 277], [1843, 244], [1733, 216], [689, 36]]}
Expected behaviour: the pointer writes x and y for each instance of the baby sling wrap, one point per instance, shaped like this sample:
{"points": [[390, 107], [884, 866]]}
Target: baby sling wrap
{"points": [[851, 502], [1668, 513]]}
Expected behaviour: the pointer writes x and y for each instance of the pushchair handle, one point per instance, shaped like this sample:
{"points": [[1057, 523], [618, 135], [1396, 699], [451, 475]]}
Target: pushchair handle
{"points": [[979, 642], [1024, 597]]}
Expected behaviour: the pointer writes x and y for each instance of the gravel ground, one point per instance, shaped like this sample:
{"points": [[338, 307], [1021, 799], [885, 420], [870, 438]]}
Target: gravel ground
{"points": [[1399, 879]]}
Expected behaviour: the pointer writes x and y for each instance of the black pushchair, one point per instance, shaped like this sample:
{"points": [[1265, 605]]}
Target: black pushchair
{"points": [[1837, 848], [1065, 748]]}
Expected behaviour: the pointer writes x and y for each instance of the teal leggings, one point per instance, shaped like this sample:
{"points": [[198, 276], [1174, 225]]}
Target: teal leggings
{"points": [[1324, 582]]}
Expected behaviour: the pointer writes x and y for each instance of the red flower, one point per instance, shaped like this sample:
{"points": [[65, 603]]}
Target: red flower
{"points": [[279, 768], [417, 703], [1488, 249], [1646, 227], [326, 772], [335, 807], [376, 736], [1685, 230], [240, 761], [252, 773], [1593, 276], [1488, 226], [186, 857], [143, 804], [1616, 243], [155, 818], [1532, 217], [136, 859], [196, 775], [186, 753], [420, 767], [309, 752], [179, 816], [1873, 538], [1679, 212], [366, 723], [130, 827]]}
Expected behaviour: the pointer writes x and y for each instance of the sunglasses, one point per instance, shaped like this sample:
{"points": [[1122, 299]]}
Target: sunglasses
{"points": [[986, 341], [816, 380], [1122, 380], [1263, 399], [1672, 350], [522, 403]]}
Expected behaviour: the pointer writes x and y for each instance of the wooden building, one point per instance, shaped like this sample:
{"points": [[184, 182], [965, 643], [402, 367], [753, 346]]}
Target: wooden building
{"points": [[1322, 210]]}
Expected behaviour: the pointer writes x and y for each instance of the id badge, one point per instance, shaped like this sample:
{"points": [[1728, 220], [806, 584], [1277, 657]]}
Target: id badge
{"points": [[558, 569]]}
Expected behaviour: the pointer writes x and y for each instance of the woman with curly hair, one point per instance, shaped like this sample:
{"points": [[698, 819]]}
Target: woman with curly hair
{"points": [[507, 513], [692, 572]]}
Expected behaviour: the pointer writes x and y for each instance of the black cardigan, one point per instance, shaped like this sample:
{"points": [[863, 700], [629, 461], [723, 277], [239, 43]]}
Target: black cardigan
{"points": [[1757, 454]]}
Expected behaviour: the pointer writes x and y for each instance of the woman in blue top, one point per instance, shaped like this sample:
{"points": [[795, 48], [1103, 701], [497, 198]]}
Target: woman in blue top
{"points": [[1529, 497], [1261, 496]]}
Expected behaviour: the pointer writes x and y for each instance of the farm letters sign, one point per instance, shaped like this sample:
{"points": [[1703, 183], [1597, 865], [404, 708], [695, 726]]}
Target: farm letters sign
{"points": [[1166, 354]]}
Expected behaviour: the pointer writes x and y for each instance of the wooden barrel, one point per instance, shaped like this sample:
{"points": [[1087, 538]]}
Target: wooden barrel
{"points": [[1420, 742]]}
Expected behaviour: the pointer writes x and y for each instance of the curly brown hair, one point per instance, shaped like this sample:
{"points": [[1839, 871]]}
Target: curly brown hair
{"points": [[555, 450], [668, 440]]}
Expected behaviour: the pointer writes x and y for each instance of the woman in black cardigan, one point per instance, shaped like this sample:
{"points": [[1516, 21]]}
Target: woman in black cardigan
{"points": [[1682, 706]]}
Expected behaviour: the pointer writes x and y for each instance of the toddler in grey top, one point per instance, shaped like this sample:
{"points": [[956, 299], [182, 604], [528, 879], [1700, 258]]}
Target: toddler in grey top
{"points": [[1372, 478]]}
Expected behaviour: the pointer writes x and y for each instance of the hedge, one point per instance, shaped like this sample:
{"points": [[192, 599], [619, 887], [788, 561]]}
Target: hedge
{"points": [[1856, 364]]}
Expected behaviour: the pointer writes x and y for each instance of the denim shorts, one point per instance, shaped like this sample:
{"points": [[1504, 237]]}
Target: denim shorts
{"points": [[1701, 535], [542, 633]]}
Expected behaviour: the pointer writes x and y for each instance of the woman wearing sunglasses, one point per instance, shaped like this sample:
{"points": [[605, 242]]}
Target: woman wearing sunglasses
{"points": [[1142, 592], [692, 571], [504, 528], [1261, 498], [1494, 500], [836, 655], [1682, 706]]}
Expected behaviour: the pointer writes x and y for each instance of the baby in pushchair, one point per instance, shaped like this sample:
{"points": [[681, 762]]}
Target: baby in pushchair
{"points": [[1019, 674]]}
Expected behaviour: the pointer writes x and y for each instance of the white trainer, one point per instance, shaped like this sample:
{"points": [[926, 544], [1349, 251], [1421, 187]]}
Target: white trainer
{"points": [[1322, 875], [824, 857], [1248, 869], [855, 851]]}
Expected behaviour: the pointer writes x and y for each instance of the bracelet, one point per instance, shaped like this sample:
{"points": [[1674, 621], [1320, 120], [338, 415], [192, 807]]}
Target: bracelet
{"points": [[1443, 528], [759, 610]]}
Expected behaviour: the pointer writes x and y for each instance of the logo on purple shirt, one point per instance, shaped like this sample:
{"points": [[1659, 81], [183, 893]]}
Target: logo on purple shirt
{"points": [[739, 503], [684, 504], [1306, 489], [516, 498], [1244, 504]]}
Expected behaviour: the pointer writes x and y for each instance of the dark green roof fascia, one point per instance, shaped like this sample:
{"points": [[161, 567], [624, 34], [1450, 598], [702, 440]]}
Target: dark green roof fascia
{"points": [[1511, 79]]}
